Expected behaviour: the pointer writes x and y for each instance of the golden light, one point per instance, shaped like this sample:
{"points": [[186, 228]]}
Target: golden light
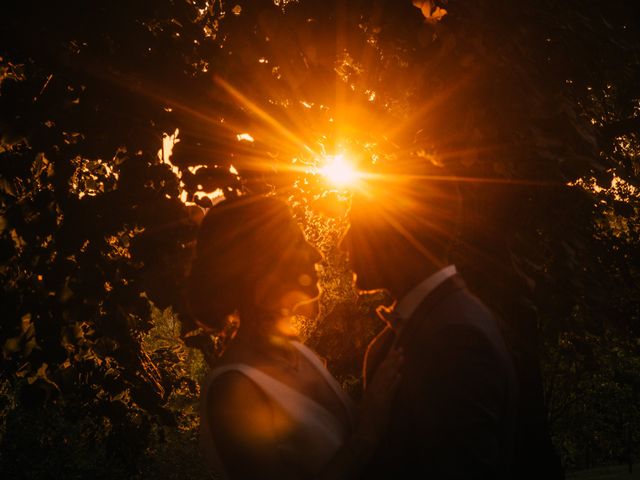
{"points": [[339, 171], [246, 137]]}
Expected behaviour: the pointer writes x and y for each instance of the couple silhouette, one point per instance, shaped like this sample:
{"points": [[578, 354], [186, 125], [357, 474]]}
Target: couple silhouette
{"points": [[440, 394]]}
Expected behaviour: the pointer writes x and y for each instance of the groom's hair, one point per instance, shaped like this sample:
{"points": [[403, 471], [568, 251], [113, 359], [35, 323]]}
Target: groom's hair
{"points": [[413, 205]]}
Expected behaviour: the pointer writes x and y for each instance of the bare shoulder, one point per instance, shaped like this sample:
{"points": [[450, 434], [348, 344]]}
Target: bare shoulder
{"points": [[247, 427], [236, 405]]}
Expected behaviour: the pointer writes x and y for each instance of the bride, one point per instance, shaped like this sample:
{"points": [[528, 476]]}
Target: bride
{"points": [[269, 407]]}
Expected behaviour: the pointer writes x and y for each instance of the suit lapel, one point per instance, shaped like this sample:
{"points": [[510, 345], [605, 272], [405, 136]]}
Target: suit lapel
{"points": [[408, 327], [379, 347]]}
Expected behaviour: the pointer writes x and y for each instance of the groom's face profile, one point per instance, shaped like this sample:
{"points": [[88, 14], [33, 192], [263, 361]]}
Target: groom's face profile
{"points": [[404, 225]]}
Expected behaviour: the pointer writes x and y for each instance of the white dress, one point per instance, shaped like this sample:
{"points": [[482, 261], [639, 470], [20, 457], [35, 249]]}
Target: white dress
{"points": [[317, 433]]}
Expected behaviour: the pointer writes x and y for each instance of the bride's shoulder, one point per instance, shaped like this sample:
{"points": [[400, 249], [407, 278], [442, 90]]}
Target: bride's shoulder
{"points": [[238, 407], [228, 375], [230, 393]]}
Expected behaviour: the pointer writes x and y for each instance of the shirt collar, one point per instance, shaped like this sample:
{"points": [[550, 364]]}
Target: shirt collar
{"points": [[410, 302]]}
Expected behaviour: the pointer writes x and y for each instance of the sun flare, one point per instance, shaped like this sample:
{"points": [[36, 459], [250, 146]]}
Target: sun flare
{"points": [[339, 171]]}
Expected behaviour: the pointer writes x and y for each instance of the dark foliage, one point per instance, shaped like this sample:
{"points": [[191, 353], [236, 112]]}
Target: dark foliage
{"points": [[538, 101]]}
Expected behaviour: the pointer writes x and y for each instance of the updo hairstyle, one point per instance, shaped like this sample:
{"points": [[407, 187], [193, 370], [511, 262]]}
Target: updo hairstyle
{"points": [[238, 241]]}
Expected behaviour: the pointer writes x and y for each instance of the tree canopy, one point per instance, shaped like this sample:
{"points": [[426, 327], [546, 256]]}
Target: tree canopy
{"points": [[121, 122]]}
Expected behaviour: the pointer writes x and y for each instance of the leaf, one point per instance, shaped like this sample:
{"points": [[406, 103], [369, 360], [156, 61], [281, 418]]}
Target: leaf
{"points": [[431, 12]]}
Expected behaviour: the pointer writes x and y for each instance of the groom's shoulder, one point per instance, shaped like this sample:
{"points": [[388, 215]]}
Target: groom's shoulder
{"points": [[453, 300], [458, 309]]}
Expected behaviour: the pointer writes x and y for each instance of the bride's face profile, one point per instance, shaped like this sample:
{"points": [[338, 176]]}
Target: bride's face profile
{"points": [[291, 285], [252, 258]]}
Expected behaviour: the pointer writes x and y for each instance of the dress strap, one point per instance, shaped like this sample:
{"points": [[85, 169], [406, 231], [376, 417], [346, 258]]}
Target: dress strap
{"points": [[302, 409], [330, 379], [291, 400]]}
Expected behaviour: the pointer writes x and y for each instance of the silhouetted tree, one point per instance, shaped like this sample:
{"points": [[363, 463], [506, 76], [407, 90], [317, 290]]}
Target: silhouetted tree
{"points": [[535, 102]]}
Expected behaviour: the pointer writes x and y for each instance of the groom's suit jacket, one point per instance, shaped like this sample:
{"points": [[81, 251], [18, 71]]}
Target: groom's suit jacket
{"points": [[454, 413]]}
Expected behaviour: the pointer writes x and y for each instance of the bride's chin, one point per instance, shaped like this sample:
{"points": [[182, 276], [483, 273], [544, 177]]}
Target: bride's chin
{"points": [[306, 307], [299, 302]]}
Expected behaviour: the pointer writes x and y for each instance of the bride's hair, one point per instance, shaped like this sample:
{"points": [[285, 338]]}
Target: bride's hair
{"points": [[235, 248]]}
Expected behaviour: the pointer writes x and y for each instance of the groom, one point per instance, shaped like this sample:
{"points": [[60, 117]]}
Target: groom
{"points": [[454, 413]]}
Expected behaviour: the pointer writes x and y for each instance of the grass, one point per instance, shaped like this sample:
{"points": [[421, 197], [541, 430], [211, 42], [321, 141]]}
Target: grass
{"points": [[618, 472]]}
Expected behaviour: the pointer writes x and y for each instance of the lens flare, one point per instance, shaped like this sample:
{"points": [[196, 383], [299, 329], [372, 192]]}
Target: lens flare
{"points": [[339, 171]]}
